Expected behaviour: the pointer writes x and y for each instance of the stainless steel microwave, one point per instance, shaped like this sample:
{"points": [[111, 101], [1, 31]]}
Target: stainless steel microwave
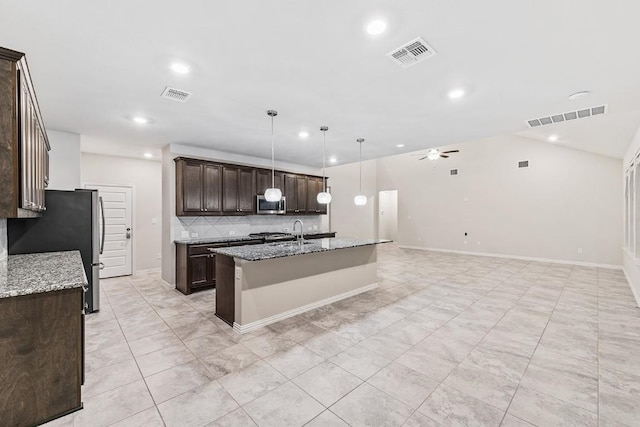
{"points": [[265, 207]]}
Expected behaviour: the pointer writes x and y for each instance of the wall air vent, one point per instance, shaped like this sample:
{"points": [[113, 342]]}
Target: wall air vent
{"points": [[523, 164], [175, 94], [570, 115], [453, 171], [411, 53]]}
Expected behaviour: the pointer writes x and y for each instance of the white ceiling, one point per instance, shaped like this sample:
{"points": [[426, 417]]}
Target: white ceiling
{"points": [[96, 64]]}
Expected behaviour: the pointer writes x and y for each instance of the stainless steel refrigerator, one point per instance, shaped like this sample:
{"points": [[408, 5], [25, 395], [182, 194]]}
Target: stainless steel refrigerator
{"points": [[74, 220]]}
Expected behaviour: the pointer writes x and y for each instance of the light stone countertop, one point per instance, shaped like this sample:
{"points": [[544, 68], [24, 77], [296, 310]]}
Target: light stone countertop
{"points": [[287, 249], [44, 272], [229, 239]]}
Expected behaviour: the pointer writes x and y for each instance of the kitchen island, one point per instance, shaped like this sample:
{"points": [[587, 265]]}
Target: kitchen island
{"points": [[262, 284], [41, 336]]}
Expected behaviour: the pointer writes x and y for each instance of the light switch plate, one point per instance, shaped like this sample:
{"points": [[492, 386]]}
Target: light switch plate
{"points": [[184, 234]]}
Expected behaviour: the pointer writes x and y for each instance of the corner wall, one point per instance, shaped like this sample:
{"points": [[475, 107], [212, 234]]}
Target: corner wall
{"points": [[144, 177], [630, 264], [64, 160]]}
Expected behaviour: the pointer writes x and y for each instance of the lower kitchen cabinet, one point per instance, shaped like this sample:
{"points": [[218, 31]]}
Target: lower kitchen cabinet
{"points": [[196, 265], [41, 349]]}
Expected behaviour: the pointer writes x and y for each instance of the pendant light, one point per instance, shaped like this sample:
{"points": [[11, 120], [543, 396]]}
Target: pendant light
{"points": [[272, 194], [360, 199], [324, 198]]}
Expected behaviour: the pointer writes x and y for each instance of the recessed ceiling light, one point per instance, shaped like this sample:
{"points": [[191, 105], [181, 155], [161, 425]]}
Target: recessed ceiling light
{"points": [[141, 120], [376, 27], [456, 93], [179, 68], [303, 134], [148, 155], [553, 138], [579, 95], [400, 145], [332, 160]]}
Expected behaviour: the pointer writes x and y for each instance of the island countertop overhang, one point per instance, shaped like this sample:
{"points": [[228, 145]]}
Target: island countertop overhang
{"points": [[287, 249]]}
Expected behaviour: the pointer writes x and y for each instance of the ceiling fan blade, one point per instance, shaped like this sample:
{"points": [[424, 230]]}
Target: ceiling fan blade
{"points": [[451, 151], [422, 158], [442, 155]]}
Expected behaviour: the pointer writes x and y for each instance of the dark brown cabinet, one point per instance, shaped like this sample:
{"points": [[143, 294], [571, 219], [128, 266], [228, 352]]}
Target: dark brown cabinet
{"points": [[208, 188], [314, 186], [24, 146], [196, 265], [238, 190], [264, 181], [295, 190], [198, 188]]}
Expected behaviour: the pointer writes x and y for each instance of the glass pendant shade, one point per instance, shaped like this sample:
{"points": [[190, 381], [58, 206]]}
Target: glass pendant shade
{"points": [[360, 200], [324, 198], [273, 194]]}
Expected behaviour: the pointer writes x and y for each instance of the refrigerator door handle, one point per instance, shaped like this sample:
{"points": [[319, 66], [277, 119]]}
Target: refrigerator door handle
{"points": [[103, 226]]}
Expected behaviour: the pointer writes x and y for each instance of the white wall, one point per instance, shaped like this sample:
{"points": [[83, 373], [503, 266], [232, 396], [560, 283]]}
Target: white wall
{"points": [[64, 160], [566, 199], [630, 264], [388, 214], [347, 219], [145, 177]]}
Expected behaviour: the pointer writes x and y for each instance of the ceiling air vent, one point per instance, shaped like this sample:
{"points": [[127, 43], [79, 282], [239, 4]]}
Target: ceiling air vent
{"points": [[570, 115], [453, 171], [523, 164], [411, 53], [175, 94]]}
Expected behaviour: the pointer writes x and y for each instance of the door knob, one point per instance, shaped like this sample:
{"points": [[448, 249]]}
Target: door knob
{"points": [[128, 233]]}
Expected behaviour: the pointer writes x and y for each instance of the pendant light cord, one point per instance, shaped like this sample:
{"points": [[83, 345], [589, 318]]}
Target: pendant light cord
{"points": [[273, 162], [324, 142], [360, 161]]}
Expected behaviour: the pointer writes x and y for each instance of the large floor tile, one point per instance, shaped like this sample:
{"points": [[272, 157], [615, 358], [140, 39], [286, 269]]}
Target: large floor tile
{"points": [[166, 358], [114, 405], [494, 390], [237, 418], [327, 419], [229, 360], [450, 407], [429, 363], [367, 406], [197, 407], [360, 361], [108, 378], [408, 386], [268, 344], [252, 382], [147, 418], [327, 382], [286, 406], [540, 409], [619, 396], [177, 380], [294, 361]]}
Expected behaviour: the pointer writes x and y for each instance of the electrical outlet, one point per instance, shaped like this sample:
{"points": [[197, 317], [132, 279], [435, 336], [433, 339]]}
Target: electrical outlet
{"points": [[579, 250], [184, 234], [194, 234], [154, 221], [285, 229], [232, 233], [238, 273]]}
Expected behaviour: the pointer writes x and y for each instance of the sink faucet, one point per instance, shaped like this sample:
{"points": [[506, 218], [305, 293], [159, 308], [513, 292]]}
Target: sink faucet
{"points": [[301, 236]]}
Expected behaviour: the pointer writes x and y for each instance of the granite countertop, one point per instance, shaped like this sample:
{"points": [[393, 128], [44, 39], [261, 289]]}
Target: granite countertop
{"points": [[286, 249], [227, 239], [45, 272], [204, 240]]}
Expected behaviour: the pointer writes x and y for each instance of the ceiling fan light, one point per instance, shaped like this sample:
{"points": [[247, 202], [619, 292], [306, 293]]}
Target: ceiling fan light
{"points": [[324, 198], [433, 154], [273, 195], [360, 200]]}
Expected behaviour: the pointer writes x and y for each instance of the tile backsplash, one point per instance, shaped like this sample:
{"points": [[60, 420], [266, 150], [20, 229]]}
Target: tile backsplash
{"points": [[222, 226], [3, 238]]}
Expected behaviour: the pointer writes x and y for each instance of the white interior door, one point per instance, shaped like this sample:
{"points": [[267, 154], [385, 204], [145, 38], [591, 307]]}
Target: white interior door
{"points": [[118, 231], [388, 215]]}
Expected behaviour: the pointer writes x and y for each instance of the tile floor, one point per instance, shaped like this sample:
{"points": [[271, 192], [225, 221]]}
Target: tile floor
{"points": [[445, 340]]}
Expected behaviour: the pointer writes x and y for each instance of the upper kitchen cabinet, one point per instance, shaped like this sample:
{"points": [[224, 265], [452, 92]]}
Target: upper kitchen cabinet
{"points": [[198, 188], [24, 146], [238, 190], [264, 181], [314, 186], [295, 191]]}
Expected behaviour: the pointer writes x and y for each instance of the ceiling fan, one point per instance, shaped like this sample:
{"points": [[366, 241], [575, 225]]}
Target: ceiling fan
{"points": [[435, 154]]}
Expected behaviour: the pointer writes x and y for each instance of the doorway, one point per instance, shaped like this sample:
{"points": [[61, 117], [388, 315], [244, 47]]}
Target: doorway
{"points": [[117, 252], [388, 214]]}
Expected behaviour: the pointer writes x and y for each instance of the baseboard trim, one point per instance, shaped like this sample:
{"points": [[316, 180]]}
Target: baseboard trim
{"points": [[243, 329], [523, 258], [633, 291]]}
